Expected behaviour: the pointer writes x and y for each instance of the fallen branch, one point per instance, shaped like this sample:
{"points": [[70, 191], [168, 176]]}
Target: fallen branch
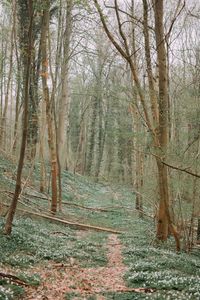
{"points": [[38, 197], [85, 207], [74, 225], [59, 233], [14, 279], [74, 204], [185, 170], [136, 290], [127, 290], [21, 201]]}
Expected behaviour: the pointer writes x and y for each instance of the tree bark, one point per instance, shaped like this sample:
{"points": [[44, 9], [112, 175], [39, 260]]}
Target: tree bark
{"points": [[162, 221], [49, 113], [4, 115], [28, 54], [90, 154], [64, 99], [198, 231]]}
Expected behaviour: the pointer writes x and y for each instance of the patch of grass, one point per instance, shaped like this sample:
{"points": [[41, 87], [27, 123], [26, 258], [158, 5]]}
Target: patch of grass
{"points": [[172, 275], [33, 280], [34, 241], [71, 295], [90, 251], [10, 291], [29, 243], [124, 296]]}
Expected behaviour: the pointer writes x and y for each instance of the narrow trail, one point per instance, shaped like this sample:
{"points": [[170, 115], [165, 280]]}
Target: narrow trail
{"points": [[56, 282]]}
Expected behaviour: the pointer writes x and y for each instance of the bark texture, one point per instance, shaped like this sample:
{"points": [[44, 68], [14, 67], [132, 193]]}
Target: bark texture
{"points": [[28, 56], [49, 113]]}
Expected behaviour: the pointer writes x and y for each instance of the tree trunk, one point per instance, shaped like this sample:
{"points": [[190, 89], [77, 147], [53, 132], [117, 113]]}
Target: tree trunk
{"points": [[49, 113], [64, 99], [43, 184], [152, 91], [4, 115], [162, 221], [101, 138], [17, 103], [27, 53], [198, 231], [90, 154]]}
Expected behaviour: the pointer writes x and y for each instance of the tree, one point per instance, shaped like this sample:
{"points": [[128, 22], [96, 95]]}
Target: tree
{"points": [[49, 108], [160, 134], [6, 101], [63, 105], [26, 82]]}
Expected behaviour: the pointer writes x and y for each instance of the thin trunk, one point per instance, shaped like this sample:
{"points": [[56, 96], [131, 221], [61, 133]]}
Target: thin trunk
{"points": [[13, 206], [162, 221], [90, 155], [152, 91], [78, 166], [4, 115], [2, 72], [16, 116], [49, 113], [17, 102], [198, 231], [138, 129], [54, 80], [64, 99], [101, 138], [43, 185]]}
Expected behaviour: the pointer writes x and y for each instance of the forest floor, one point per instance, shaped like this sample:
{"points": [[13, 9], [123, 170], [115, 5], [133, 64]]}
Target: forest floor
{"points": [[54, 261], [59, 280]]}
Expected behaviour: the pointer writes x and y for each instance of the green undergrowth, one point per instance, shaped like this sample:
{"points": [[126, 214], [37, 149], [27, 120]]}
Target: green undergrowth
{"points": [[38, 242], [107, 296], [117, 201], [34, 241], [10, 291], [159, 267]]}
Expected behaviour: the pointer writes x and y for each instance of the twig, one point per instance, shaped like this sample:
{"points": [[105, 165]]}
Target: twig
{"points": [[13, 278], [185, 170], [59, 232]]}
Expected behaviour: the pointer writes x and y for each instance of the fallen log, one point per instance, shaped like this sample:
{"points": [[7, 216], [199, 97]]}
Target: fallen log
{"points": [[13, 279], [86, 207], [73, 204], [74, 225], [125, 290], [136, 290]]}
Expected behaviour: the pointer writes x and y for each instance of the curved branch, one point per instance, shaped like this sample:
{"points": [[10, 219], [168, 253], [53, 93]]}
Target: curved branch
{"points": [[110, 36], [185, 170]]}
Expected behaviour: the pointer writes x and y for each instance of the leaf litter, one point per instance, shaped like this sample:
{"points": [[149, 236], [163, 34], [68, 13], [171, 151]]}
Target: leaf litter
{"points": [[57, 281]]}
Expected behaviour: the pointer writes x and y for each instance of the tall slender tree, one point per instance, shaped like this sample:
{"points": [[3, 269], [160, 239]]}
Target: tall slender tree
{"points": [[26, 81], [49, 108]]}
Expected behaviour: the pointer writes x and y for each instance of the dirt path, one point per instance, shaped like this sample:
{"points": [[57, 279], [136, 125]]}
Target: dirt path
{"points": [[57, 281]]}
